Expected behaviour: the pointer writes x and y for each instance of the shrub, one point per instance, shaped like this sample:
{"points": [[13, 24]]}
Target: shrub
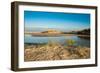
{"points": [[71, 42]]}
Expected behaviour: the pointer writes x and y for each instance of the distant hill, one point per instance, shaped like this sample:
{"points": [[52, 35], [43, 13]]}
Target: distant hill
{"points": [[51, 31], [85, 32]]}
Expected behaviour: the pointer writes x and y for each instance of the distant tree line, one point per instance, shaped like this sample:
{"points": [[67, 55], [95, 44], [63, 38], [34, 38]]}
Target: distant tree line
{"points": [[85, 32]]}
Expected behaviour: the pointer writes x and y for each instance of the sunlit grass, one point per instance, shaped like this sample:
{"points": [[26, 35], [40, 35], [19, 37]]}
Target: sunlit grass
{"points": [[53, 50]]}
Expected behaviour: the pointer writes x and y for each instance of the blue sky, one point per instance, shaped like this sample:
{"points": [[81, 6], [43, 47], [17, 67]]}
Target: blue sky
{"points": [[39, 21]]}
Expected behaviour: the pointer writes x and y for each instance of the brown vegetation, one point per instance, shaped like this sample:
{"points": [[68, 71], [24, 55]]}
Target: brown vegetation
{"points": [[54, 51]]}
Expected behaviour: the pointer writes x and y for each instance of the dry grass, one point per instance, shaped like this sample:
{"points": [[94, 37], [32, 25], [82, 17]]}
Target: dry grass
{"points": [[54, 51]]}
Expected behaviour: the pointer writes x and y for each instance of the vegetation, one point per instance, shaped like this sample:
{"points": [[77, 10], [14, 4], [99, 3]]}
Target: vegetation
{"points": [[55, 51], [82, 32], [71, 42], [85, 32]]}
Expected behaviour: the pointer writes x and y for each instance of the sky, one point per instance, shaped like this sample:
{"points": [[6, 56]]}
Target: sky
{"points": [[41, 21]]}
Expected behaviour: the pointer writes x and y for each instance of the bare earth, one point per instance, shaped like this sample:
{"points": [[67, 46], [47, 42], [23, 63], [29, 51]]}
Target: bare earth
{"points": [[54, 52]]}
